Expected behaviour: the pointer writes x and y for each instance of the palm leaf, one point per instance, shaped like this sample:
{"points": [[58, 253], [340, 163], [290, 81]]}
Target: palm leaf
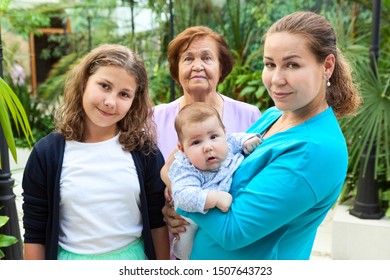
{"points": [[10, 105], [52, 89], [5, 240], [369, 131]]}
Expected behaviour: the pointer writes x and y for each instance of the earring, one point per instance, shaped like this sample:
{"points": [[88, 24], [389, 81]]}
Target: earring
{"points": [[327, 82]]}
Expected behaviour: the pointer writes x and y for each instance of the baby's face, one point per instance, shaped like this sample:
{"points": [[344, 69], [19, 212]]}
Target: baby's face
{"points": [[204, 144]]}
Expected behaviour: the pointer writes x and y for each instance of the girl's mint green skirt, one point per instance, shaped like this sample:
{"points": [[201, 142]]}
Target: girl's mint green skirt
{"points": [[133, 251]]}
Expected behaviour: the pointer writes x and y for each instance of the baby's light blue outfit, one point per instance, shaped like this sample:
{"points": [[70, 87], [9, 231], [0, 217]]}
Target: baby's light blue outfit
{"points": [[190, 185]]}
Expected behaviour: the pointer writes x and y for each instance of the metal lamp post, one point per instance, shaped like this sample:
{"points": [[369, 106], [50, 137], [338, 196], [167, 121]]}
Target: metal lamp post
{"points": [[171, 35], [7, 196], [366, 205]]}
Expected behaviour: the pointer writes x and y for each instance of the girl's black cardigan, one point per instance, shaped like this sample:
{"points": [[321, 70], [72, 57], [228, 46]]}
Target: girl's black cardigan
{"points": [[41, 194]]}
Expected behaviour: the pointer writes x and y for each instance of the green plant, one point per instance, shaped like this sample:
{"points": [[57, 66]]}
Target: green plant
{"points": [[384, 196], [370, 129], [372, 125], [242, 30], [5, 240], [10, 105]]}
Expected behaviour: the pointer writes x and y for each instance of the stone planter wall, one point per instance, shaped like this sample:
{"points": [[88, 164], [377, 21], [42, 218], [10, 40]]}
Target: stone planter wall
{"points": [[359, 239]]}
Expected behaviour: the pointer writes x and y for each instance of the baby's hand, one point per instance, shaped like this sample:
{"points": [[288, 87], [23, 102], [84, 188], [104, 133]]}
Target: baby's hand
{"points": [[224, 201], [250, 145]]}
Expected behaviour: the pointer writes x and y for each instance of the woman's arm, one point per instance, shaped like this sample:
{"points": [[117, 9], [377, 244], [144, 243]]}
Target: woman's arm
{"points": [[161, 243]]}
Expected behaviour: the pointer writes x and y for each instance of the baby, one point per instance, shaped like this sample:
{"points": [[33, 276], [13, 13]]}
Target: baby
{"points": [[201, 173]]}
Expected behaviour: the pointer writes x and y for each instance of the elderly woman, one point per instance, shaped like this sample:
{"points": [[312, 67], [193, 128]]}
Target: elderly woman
{"points": [[199, 59]]}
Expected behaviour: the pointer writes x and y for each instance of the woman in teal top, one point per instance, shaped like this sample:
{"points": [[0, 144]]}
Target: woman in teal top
{"points": [[281, 193], [284, 189]]}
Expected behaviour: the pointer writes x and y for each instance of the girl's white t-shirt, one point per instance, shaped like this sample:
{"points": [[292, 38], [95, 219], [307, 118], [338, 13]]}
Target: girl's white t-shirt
{"points": [[99, 198]]}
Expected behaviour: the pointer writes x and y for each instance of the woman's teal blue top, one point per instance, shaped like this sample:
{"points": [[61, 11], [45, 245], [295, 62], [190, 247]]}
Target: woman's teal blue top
{"points": [[281, 193]]}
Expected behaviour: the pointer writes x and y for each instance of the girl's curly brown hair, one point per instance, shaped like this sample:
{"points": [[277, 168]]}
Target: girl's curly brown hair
{"points": [[137, 128]]}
